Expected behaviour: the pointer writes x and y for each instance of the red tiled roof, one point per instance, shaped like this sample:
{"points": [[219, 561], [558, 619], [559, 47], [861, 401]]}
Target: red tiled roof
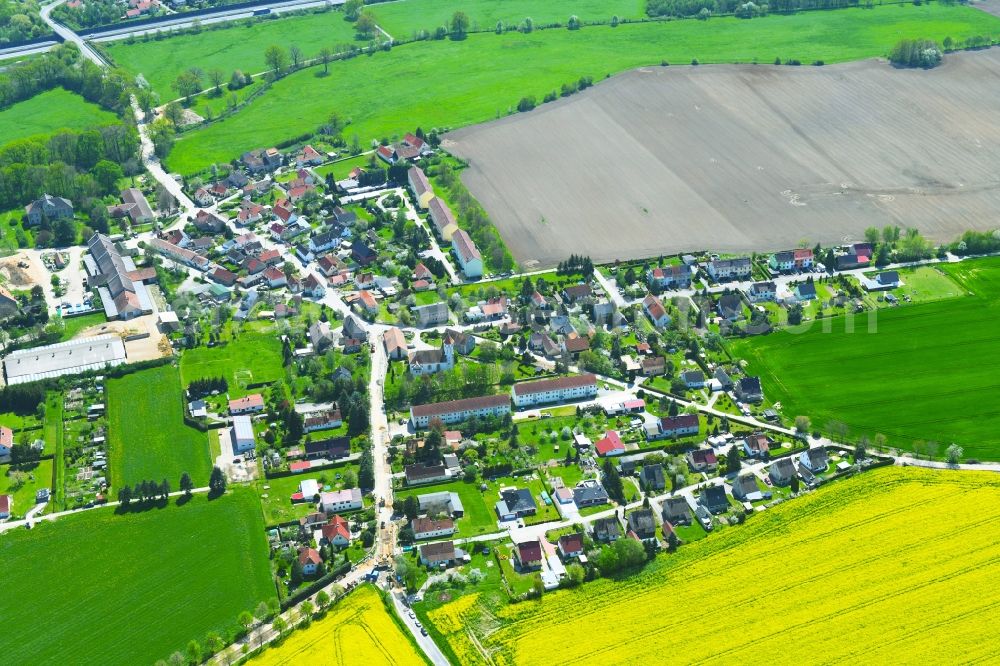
{"points": [[610, 442], [529, 551]]}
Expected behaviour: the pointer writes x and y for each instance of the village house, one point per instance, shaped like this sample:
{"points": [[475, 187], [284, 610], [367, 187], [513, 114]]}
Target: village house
{"points": [[814, 459], [590, 493], [676, 511], [422, 473], [651, 477], [607, 530], [208, 223], [443, 503], [433, 314], [341, 500], [308, 156], [730, 306], [430, 361], [642, 524], [791, 260], [309, 560], [745, 488], [654, 309], [515, 503], [757, 446], [669, 277], [729, 269], [133, 205], [748, 389], [713, 499], [395, 343], [48, 207], [702, 460], [762, 291], [560, 389], [805, 291], [336, 532], [428, 528], [251, 404], [609, 445], [781, 471], [577, 292], [528, 555], [440, 554], [674, 426], [326, 419], [332, 448], [571, 546]]}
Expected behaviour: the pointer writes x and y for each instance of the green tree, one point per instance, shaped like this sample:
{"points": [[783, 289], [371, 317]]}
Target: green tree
{"points": [[277, 60], [217, 482], [459, 25], [194, 653], [365, 25], [352, 9], [187, 84], [861, 449], [280, 625], [107, 174], [613, 482], [186, 484], [245, 619], [733, 463], [954, 454], [214, 643], [323, 599], [325, 55]]}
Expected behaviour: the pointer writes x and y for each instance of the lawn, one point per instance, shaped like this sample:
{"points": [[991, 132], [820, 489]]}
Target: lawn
{"points": [[72, 326], [865, 560], [147, 437], [36, 477], [49, 111], [237, 46], [253, 358], [479, 517], [919, 372], [360, 629], [403, 19], [448, 84], [96, 580], [278, 507]]}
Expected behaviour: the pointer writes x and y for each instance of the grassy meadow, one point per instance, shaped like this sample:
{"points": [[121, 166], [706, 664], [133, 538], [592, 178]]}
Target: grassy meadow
{"points": [[358, 630], [240, 46], [103, 588], [147, 436], [404, 18], [924, 372], [448, 84], [49, 111], [252, 358], [864, 564]]}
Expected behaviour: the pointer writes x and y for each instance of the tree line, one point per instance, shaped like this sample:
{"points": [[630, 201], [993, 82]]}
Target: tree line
{"points": [[704, 8], [201, 387]]}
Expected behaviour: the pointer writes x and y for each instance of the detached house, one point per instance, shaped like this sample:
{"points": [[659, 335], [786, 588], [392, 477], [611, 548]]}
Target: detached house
{"points": [[654, 309], [702, 460], [642, 524], [49, 208], [571, 546], [427, 528], [781, 471], [762, 291], [467, 253], [676, 511], [757, 446], [437, 554], [336, 532], [714, 499], [748, 389], [815, 459], [528, 555]]}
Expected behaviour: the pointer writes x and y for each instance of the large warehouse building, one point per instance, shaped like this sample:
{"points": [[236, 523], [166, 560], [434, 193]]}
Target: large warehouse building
{"points": [[64, 358]]}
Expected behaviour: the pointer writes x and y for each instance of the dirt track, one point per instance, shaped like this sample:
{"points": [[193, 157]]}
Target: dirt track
{"points": [[742, 157]]}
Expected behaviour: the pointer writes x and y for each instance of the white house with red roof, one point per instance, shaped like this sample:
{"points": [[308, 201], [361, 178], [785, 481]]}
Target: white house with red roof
{"points": [[251, 404], [654, 309], [609, 445], [308, 156], [336, 532], [309, 560]]}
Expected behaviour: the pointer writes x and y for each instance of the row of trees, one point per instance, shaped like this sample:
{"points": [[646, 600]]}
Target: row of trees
{"points": [[916, 53], [658, 8], [200, 387]]}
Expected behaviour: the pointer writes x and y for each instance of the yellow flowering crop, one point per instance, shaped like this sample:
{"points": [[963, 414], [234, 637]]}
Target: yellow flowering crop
{"points": [[358, 630], [892, 566]]}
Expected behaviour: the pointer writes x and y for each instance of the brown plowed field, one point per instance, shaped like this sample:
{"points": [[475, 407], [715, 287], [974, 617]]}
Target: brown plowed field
{"points": [[742, 157]]}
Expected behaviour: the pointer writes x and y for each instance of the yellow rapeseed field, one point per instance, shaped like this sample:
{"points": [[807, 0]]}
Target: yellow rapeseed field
{"points": [[358, 630], [893, 566]]}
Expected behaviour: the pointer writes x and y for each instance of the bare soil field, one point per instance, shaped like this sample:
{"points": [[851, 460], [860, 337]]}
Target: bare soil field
{"points": [[742, 157]]}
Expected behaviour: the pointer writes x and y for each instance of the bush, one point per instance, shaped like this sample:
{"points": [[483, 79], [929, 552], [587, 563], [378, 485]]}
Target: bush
{"points": [[526, 104], [915, 53]]}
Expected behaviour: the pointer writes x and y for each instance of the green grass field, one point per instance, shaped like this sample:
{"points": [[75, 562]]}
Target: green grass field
{"points": [[447, 84], [236, 47], [258, 353], [146, 432], [926, 372], [402, 19], [101, 588], [51, 110]]}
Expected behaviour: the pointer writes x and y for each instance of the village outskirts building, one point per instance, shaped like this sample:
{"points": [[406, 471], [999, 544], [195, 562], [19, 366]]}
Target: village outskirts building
{"points": [[467, 253], [420, 186], [560, 389], [455, 411], [729, 269], [48, 207]]}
